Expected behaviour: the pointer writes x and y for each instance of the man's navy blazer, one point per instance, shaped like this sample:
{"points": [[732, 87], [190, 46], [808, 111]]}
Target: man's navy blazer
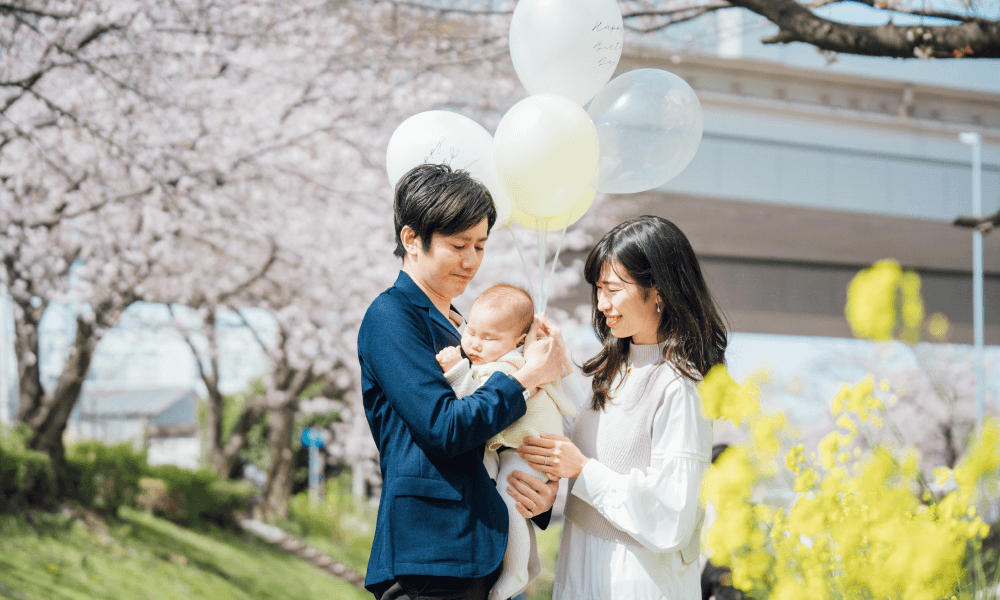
{"points": [[439, 513]]}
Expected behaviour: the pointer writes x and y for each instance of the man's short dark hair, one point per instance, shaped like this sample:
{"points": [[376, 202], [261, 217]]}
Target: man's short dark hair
{"points": [[436, 199]]}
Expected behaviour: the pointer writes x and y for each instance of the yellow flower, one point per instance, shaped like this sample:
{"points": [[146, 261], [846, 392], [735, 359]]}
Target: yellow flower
{"points": [[942, 475], [859, 527], [806, 480], [882, 298], [871, 300], [830, 445], [765, 431], [795, 458], [845, 423], [723, 398], [912, 312], [937, 326], [981, 461]]}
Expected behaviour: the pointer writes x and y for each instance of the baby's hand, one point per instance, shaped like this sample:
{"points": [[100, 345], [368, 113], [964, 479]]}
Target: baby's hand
{"points": [[449, 357]]}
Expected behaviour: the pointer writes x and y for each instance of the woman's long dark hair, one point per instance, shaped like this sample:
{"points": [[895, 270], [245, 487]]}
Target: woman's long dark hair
{"points": [[655, 254]]}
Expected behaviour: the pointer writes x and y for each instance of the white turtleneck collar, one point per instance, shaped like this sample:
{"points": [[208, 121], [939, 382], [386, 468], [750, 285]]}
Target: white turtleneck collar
{"points": [[641, 355]]}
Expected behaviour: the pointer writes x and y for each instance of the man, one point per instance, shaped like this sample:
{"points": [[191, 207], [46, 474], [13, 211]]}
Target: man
{"points": [[441, 528]]}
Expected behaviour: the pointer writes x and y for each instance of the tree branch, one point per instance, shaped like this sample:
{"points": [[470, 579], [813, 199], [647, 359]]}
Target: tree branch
{"points": [[10, 9], [209, 379], [673, 15], [256, 336], [900, 8], [451, 10], [976, 38], [257, 276]]}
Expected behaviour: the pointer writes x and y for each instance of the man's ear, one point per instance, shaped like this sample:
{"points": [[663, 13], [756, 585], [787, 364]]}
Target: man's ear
{"points": [[408, 237]]}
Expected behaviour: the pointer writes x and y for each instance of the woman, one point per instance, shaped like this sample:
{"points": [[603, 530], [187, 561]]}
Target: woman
{"points": [[639, 452]]}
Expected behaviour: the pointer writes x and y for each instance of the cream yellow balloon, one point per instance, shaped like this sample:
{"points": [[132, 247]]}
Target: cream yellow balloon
{"points": [[546, 154], [558, 222]]}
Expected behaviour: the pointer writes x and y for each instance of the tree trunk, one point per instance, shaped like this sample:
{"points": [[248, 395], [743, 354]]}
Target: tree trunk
{"points": [[283, 404], [213, 409], [227, 458], [31, 396], [278, 488], [48, 421]]}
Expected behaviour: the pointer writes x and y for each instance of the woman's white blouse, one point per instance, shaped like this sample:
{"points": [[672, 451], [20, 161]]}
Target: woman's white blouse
{"points": [[658, 505]]}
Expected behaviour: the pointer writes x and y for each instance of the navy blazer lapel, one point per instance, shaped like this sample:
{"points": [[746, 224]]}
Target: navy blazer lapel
{"points": [[414, 294]]}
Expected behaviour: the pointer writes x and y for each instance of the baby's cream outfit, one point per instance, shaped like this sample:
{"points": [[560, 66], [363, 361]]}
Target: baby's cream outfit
{"points": [[545, 410]]}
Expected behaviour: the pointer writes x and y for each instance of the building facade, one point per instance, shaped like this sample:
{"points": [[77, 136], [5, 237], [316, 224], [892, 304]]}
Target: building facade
{"points": [[805, 176]]}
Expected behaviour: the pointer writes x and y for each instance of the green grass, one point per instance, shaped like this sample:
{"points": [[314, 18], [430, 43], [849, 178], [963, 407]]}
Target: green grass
{"points": [[352, 549], [343, 529], [548, 548], [141, 556], [339, 526]]}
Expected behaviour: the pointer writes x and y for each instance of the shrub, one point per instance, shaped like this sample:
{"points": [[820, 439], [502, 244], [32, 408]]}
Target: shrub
{"points": [[104, 477], [192, 496], [153, 495], [26, 476], [336, 515], [311, 519]]}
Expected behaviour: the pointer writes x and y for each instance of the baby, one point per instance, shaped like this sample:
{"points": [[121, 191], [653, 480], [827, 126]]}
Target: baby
{"points": [[498, 323]]}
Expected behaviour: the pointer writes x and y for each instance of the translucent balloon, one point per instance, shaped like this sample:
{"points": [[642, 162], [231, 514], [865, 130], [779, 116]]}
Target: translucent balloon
{"points": [[566, 47], [444, 137], [558, 222], [545, 149], [649, 123]]}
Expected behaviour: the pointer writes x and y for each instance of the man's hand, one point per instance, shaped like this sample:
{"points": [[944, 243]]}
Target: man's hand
{"points": [[532, 495], [449, 357], [545, 357], [549, 329]]}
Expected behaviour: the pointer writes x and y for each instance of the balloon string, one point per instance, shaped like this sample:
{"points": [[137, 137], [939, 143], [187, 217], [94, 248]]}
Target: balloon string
{"points": [[524, 263], [542, 231], [555, 259]]}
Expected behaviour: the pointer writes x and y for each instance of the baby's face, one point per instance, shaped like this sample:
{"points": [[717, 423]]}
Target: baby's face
{"points": [[488, 335]]}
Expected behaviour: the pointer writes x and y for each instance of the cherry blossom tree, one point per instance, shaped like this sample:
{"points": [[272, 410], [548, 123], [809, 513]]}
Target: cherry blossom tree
{"points": [[221, 156], [935, 410], [91, 196], [141, 152]]}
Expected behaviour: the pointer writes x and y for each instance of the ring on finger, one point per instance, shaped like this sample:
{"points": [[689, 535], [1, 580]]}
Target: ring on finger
{"points": [[546, 461]]}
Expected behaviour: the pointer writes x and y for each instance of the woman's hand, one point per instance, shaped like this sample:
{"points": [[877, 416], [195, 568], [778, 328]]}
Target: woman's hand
{"points": [[532, 495], [554, 455]]}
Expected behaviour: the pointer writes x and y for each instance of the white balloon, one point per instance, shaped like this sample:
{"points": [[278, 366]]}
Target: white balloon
{"points": [[445, 137], [566, 47], [546, 153], [649, 123]]}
